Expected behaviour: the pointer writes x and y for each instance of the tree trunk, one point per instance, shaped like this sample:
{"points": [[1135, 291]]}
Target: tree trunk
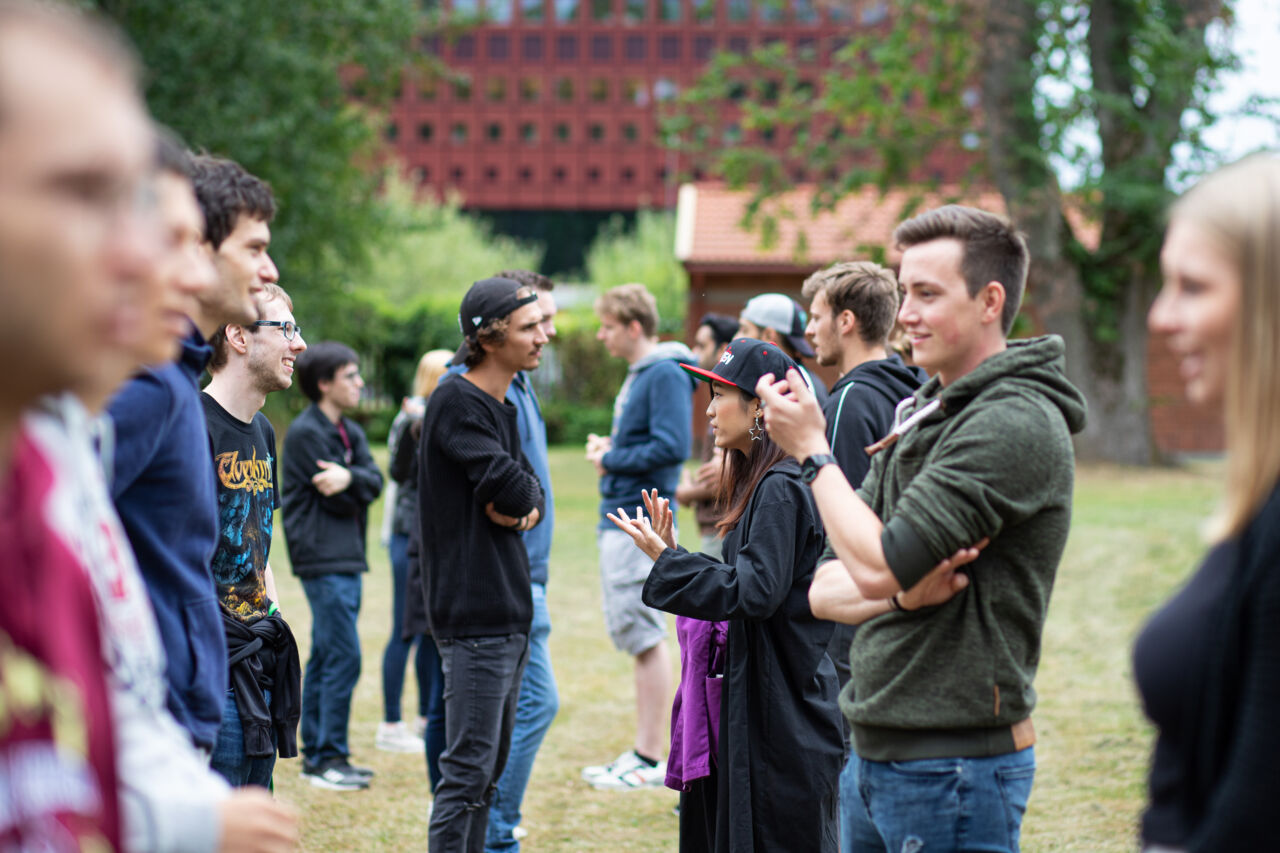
{"points": [[1109, 371]]}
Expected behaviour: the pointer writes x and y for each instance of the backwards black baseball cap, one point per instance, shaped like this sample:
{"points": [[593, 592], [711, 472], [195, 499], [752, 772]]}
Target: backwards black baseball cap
{"points": [[744, 361], [491, 299]]}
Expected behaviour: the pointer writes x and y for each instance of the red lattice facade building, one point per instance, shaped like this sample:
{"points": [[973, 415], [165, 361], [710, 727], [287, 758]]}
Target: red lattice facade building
{"points": [[554, 103]]}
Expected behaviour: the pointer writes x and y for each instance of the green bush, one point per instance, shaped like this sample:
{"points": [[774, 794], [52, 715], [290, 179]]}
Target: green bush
{"points": [[571, 423]]}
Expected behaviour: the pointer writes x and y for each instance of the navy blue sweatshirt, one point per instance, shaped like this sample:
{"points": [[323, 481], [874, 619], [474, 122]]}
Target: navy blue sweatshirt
{"points": [[163, 488]]}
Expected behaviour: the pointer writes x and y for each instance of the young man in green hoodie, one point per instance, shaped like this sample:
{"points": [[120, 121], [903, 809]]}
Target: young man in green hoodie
{"points": [[978, 469]]}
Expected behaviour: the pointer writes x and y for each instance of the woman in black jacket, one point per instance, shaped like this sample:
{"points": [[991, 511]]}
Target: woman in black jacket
{"points": [[1208, 663], [772, 780], [408, 616]]}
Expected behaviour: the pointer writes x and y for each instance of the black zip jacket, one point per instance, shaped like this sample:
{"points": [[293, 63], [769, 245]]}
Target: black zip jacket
{"points": [[326, 535], [859, 413]]}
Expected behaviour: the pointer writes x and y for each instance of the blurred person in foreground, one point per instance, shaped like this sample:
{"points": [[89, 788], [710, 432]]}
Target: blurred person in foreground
{"points": [[1206, 663], [104, 220]]}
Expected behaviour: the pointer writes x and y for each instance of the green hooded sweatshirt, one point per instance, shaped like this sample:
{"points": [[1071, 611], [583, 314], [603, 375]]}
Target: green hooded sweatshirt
{"points": [[993, 460]]}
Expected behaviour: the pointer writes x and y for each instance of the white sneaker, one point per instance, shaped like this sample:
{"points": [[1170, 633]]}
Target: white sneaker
{"points": [[640, 776], [396, 737], [519, 833], [621, 764]]}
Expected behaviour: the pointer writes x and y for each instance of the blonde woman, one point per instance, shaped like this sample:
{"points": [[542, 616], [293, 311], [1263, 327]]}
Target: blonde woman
{"points": [[393, 735], [1208, 663]]}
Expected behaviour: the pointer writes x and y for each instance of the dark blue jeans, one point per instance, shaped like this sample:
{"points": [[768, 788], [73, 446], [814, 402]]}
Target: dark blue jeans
{"points": [[435, 733], [334, 666], [228, 757], [960, 804], [481, 687], [396, 655]]}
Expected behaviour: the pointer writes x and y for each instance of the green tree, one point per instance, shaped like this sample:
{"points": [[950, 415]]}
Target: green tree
{"points": [[434, 248], [645, 254], [263, 83], [1012, 89]]}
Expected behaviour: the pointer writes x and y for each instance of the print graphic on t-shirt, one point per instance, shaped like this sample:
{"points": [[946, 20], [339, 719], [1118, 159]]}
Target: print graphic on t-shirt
{"points": [[253, 474], [244, 461]]}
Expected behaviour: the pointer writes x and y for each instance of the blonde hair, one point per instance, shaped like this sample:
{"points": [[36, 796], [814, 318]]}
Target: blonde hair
{"points": [[430, 368], [1240, 206], [628, 302]]}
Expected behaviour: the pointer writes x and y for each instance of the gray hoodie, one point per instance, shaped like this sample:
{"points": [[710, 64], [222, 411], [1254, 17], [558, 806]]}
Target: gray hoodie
{"points": [[993, 460]]}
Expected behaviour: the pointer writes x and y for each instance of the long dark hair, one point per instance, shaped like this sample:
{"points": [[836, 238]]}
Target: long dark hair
{"points": [[741, 473]]}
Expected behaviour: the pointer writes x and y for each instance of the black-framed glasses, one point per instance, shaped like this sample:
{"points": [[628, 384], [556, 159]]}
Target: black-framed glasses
{"points": [[290, 329]]}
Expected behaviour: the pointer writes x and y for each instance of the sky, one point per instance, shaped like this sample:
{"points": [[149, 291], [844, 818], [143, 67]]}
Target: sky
{"points": [[1256, 38]]}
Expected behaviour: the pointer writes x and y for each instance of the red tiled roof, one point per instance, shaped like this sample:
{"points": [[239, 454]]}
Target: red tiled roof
{"points": [[709, 224]]}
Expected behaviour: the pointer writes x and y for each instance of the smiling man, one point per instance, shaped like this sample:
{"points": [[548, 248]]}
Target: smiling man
{"points": [[161, 486], [940, 697], [476, 494], [262, 702], [329, 481]]}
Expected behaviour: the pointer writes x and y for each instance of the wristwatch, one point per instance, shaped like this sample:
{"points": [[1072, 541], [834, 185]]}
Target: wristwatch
{"points": [[810, 467]]}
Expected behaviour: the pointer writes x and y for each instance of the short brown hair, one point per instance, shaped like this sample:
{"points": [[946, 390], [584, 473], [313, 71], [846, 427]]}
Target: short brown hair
{"points": [[993, 249], [218, 360], [528, 278], [628, 302], [869, 290]]}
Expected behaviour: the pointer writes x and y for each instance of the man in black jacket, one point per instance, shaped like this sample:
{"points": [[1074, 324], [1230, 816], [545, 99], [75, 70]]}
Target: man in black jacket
{"points": [[476, 493], [328, 482], [852, 309]]}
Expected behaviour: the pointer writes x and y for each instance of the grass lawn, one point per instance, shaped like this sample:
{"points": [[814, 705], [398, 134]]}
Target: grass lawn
{"points": [[1134, 538]]}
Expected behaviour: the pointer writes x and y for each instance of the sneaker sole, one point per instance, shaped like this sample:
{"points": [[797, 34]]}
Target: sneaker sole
{"points": [[603, 785], [401, 748], [321, 782]]}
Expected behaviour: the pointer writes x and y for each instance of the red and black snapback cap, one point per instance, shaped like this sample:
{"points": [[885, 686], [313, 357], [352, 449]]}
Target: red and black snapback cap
{"points": [[744, 361]]}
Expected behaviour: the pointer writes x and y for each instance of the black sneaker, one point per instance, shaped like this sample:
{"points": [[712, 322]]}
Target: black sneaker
{"points": [[335, 775], [363, 772]]}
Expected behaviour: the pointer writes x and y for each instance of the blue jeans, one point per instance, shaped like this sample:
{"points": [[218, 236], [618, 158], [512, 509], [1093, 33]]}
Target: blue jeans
{"points": [[535, 710], [434, 735], [936, 804], [481, 686], [334, 666], [228, 752], [396, 655]]}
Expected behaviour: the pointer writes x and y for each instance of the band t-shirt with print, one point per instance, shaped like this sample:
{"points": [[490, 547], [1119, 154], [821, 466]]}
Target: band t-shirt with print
{"points": [[244, 465]]}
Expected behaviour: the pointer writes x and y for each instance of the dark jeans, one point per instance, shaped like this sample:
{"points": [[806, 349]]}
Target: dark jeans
{"points": [[397, 652], [334, 666], [435, 733], [228, 757], [481, 687]]}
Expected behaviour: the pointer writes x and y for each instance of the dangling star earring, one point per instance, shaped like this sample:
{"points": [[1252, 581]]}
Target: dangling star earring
{"points": [[756, 431]]}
